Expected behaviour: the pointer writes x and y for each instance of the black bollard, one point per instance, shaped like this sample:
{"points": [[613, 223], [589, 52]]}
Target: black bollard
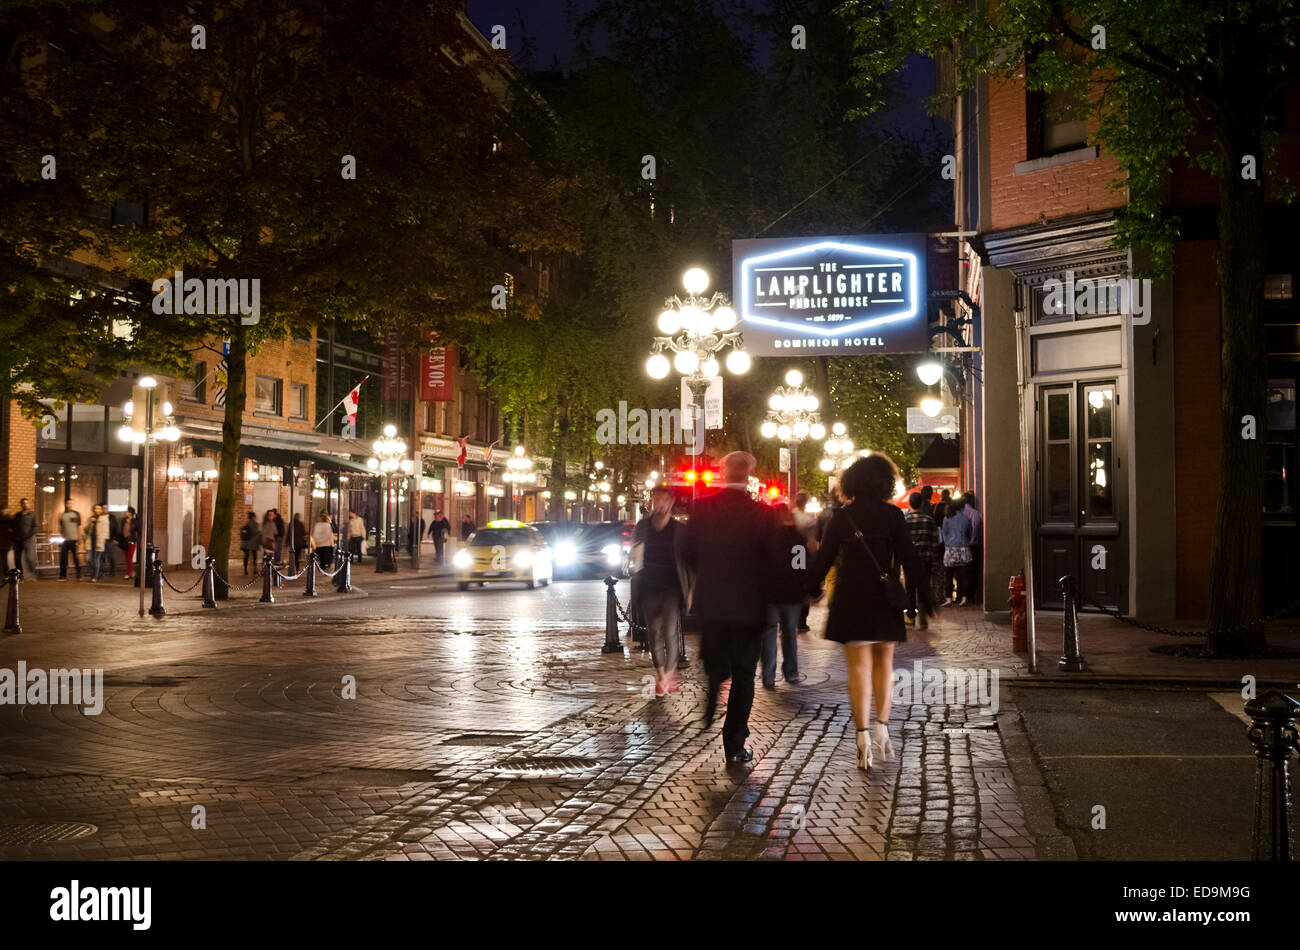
{"points": [[1072, 661], [12, 623], [209, 584], [1273, 733], [612, 644], [268, 568], [681, 643], [343, 583], [156, 606], [311, 576]]}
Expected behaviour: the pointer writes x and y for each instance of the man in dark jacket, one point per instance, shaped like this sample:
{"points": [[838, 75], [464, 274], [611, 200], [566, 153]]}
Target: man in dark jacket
{"points": [[729, 540], [439, 531], [25, 540]]}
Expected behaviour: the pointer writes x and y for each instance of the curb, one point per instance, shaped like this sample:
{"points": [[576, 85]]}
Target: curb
{"points": [[1050, 842]]}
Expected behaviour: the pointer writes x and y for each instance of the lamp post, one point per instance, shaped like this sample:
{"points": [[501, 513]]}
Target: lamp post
{"points": [[695, 331], [519, 471], [838, 448], [792, 417], [141, 431], [389, 457]]}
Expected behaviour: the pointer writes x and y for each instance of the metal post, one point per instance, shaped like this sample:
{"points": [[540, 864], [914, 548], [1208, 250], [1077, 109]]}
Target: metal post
{"points": [[1026, 479], [681, 642], [209, 584], [267, 567], [12, 623], [1072, 661], [612, 644], [146, 489], [156, 608], [311, 575], [1273, 733], [794, 470], [344, 582]]}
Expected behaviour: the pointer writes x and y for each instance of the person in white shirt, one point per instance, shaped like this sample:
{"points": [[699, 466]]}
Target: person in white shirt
{"points": [[322, 538]]}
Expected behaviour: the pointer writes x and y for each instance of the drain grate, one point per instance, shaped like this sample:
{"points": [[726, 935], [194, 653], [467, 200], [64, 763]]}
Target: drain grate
{"points": [[547, 766], [37, 832], [485, 738]]}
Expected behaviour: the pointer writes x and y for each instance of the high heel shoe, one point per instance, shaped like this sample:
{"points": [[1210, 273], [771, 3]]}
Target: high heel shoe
{"points": [[864, 749], [882, 742]]}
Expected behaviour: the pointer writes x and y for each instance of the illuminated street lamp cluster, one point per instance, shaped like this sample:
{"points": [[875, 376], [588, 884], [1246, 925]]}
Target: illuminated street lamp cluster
{"points": [[389, 459], [839, 450], [519, 468], [792, 417]]}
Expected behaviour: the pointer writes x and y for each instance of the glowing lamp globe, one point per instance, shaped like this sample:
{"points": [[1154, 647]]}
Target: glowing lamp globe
{"points": [[794, 378], [669, 323], [695, 280], [930, 372], [738, 362], [657, 366]]}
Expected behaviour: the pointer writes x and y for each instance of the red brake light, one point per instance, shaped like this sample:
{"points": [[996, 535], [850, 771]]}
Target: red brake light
{"points": [[773, 491], [690, 476], [708, 477]]}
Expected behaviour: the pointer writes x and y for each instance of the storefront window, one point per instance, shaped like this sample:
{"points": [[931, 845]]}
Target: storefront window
{"points": [[1280, 487], [1100, 428], [1058, 457], [53, 430], [88, 428]]}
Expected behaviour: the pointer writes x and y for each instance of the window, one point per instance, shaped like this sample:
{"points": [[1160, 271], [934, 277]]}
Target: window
{"points": [[1056, 118], [1280, 448], [266, 398], [297, 400], [195, 388]]}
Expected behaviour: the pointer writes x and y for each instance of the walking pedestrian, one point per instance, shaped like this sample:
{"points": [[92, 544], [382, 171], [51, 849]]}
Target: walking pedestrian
{"points": [[467, 527], [98, 536], [807, 525], [356, 535], [269, 536], [130, 537], [250, 539], [925, 539], [727, 544], [867, 537], [439, 531], [279, 535], [298, 539], [975, 573], [322, 535], [114, 542], [70, 530], [786, 598], [661, 585], [24, 542], [955, 534], [6, 543]]}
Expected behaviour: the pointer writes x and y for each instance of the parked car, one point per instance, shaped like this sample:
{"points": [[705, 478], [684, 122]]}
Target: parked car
{"points": [[504, 551], [565, 540]]}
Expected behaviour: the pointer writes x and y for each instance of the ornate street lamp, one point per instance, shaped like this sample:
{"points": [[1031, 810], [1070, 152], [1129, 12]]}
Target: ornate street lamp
{"points": [[389, 458], [519, 472], [838, 448], [792, 417], [146, 435], [695, 331]]}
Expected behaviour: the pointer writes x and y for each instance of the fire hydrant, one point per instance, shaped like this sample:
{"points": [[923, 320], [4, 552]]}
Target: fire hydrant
{"points": [[1016, 600]]}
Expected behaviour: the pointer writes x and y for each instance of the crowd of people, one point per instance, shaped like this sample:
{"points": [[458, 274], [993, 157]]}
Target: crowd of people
{"points": [[104, 538]]}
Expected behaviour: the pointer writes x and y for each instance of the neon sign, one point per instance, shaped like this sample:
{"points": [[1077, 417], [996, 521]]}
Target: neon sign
{"points": [[829, 295]]}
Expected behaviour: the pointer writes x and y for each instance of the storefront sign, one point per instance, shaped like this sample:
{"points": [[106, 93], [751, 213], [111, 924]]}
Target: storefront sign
{"points": [[944, 421], [831, 295], [436, 373]]}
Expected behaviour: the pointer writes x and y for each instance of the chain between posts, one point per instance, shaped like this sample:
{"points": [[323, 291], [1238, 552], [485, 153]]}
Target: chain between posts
{"points": [[166, 581], [623, 614], [1198, 634]]}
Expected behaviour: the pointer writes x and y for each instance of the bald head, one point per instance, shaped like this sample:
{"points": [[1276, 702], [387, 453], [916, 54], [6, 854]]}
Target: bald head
{"points": [[737, 467]]}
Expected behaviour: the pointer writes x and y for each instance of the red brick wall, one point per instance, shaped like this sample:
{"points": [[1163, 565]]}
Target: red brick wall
{"points": [[1196, 421], [1042, 195], [17, 469]]}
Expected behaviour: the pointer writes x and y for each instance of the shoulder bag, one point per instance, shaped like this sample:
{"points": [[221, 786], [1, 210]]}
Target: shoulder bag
{"points": [[895, 594]]}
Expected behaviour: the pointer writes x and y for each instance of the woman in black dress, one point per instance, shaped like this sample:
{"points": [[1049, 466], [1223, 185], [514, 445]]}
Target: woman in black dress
{"points": [[860, 616]]}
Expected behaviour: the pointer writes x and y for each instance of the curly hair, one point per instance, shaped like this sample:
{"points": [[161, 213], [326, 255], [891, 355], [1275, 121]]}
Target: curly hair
{"points": [[870, 479]]}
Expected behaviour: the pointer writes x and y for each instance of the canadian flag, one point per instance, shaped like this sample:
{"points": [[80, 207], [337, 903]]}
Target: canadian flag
{"points": [[351, 401], [464, 451]]}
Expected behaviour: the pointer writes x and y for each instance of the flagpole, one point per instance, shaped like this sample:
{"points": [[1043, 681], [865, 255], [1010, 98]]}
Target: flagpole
{"points": [[337, 404]]}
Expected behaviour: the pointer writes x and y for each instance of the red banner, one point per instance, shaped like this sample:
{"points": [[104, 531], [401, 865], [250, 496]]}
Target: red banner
{"points": [[436, 365]]}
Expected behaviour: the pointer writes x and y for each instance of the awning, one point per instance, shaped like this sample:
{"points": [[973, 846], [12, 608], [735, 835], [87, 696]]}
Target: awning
{"points": [[286, 458]]}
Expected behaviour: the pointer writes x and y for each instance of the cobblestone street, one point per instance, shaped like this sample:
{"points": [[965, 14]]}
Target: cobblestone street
{"points": [[485, 725]]}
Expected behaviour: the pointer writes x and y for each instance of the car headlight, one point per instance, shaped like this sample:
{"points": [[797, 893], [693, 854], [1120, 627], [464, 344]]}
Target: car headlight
{"points": [[523, 559], [566, 553], [613, 553], [462, 559]]}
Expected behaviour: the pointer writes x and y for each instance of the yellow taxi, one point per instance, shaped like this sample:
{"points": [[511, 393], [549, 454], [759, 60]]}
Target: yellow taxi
{"points": [[504, 551]]}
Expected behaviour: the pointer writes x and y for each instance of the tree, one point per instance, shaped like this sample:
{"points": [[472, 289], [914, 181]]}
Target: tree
{"points": [[1168, 82], [356, 162]]}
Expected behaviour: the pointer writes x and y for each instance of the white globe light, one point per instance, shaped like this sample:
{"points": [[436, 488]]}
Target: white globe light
{"points": [[931, 406], [817, 430], [930, 372], [832, 447], [695, 280], [724, 318], [783, 433], [167, 407], [657, 366], [372, 463], [669, 323], [704, 325], [125, 433], [794, 378], [827, 465], [390, 430], [801, 430], [848, 446], [738, 362], [775, 402], [519, 451], [689, 318], [810, 403], [839, 428], [768, 429], [710, 368], [649, 483], [686, 362], [147, 382]]}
